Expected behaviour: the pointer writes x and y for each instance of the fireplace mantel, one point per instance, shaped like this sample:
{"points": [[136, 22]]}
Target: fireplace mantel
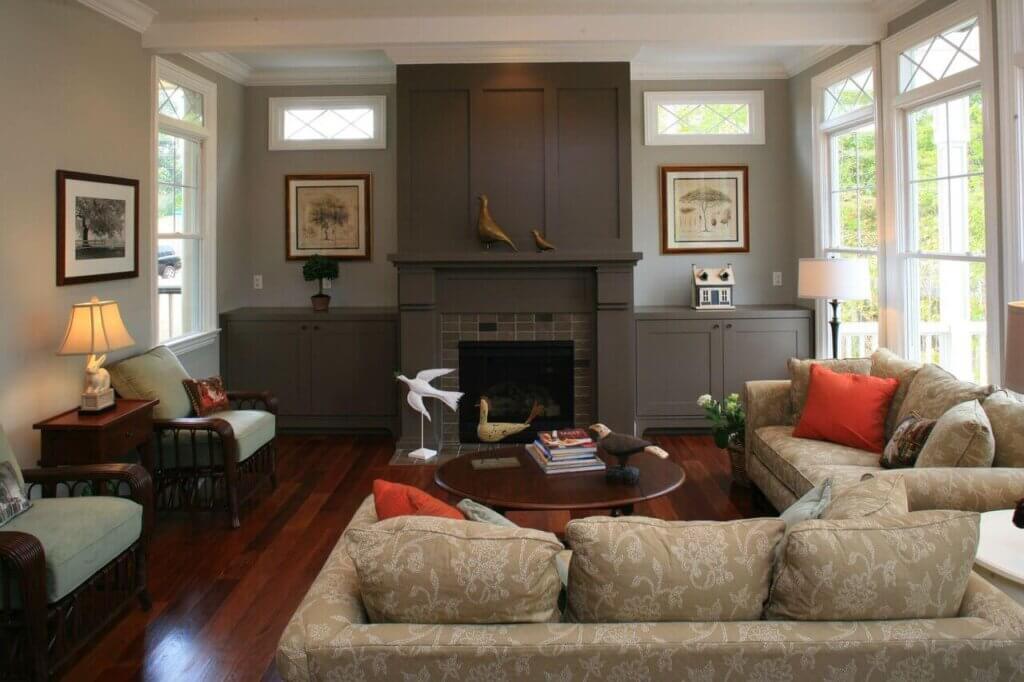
{"points": [[501, 258]]}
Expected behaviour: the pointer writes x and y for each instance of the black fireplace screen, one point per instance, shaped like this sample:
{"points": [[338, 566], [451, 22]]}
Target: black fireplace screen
{"points": [[513, 375]]}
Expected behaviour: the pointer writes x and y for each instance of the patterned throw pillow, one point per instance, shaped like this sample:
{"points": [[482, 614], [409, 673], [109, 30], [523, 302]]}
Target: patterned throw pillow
{"points": [[1006, 414], [13, 500], [206, 395], [907, 442], [962, 437]]}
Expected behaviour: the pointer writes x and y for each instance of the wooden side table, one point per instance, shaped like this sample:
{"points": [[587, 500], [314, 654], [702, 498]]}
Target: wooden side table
{"points": [[74, 438]]}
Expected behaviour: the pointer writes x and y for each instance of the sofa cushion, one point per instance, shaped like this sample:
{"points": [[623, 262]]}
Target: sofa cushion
{"points": [[644, 570], [788, 457], [154, 375], [253, 429], [871, 497], [934, 391], [887, 365], [879, 568], [800, 377], [1006, 414], [79, 535], [848, 409], [427, 569], [962, 437], [398, 499]]}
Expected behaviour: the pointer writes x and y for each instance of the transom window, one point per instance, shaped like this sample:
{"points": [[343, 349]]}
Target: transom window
{"points": [[677, 118], [327, 122], [850, 94], [179, 102], [944, 54]]}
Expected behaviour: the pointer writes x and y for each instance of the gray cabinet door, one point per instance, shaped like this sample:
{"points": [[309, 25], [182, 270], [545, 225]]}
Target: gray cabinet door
{"points": [[758, 349], [677, 361], [352, 368], [272, 356]]}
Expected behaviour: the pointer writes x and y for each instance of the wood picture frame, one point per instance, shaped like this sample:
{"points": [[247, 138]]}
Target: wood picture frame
{"points": [[705, 209], [329, 214], [108, 249]]}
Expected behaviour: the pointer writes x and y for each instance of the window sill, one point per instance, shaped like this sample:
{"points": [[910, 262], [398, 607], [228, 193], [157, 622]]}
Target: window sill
{"points": [[192, 342]]}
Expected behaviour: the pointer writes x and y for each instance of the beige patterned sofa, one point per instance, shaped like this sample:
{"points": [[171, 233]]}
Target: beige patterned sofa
{"points": [[784, 468], [329, 638]]}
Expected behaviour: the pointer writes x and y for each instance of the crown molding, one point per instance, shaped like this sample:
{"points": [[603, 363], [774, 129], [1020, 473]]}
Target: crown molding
{"points": [[324, 76], [224, 64], [131, 13], [737, 71], [809, 59]]}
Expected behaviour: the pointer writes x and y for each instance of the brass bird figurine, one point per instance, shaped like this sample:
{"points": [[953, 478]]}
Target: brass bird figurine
{"points": [[542, 244], [492, 432], [490, 231]]}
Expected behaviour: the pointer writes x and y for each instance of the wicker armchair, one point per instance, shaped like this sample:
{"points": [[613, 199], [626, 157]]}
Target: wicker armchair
{"points": [[52, 605]]}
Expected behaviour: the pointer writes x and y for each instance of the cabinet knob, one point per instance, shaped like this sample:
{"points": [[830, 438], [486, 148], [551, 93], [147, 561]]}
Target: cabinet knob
{"points": [[716, 326], [303, 327], [728, 326], [316, 327]]}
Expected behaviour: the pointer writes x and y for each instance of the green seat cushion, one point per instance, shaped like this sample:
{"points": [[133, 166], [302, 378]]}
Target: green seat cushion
{"points": [[154, 375], [79, 535], [253, 429], [7, 455]]}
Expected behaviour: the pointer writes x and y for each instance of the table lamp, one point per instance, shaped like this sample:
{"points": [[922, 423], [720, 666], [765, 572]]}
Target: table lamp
{"points": [[95, 328], [834, 280]]}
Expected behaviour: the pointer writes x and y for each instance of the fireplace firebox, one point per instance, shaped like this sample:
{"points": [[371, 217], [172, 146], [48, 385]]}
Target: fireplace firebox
{"points": [[513, 375]]}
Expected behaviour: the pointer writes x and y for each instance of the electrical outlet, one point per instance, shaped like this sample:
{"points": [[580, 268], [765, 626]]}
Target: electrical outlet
{"points": [[257, 281], [776, 279], [327, 283]]}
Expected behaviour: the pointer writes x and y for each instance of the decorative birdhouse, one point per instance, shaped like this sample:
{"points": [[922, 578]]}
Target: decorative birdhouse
{"points": [[712, 288]]}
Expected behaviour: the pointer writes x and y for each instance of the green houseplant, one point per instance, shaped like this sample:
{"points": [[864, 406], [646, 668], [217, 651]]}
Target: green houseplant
{"points": [[728, 427], [318, 268]]}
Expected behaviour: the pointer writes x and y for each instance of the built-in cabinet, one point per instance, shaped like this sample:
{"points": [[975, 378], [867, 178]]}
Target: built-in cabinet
{"points": [[683, 353], [332, 371]]}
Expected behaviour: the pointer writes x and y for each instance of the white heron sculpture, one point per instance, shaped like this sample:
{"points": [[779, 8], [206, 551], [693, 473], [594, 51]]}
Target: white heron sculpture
{"points": [[420, 388]]}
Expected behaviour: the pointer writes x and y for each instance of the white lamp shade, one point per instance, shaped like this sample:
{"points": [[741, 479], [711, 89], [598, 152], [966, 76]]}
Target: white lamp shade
{"points": [[832, 278], [1014, 344], [95, 327]]}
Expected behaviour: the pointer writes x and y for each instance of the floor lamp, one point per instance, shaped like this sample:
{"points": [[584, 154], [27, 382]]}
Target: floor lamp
{"points": [[834, 280]]}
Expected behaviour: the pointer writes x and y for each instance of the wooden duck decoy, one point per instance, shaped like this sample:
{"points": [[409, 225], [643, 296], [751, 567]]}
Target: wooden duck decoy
{"points": [[490, 231], [493, 432], [622, 447], [542, 244]]}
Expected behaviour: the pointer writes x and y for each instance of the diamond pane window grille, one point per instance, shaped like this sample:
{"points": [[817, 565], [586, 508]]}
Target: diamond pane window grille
{"points": [[178, 102], [948, 53], [703, 119], [850, 94], [353, 123]]}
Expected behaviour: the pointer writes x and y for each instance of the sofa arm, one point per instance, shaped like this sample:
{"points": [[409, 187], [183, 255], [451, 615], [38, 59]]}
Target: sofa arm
{"points": [[767, 403], [253, 400], [983, 600], [190, 428], [979, 489], [23, 565]]}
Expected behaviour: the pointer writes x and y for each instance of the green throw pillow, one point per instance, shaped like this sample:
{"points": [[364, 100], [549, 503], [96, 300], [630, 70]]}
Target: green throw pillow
{"points": [[474, 511]]}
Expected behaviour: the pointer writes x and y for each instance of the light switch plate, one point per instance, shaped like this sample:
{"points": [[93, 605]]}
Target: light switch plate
{"points": [[257, 281], [776, 279]]}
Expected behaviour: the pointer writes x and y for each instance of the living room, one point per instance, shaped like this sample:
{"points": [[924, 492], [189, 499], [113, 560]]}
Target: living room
{"points": [[666, 339]]}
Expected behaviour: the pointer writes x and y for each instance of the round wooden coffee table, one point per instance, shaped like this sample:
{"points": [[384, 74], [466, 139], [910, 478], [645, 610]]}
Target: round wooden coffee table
{"points": [[527, 488]]}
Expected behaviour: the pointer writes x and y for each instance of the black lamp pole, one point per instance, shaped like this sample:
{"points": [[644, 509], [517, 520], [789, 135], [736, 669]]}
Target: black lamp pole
{"points": [[835, 327]]}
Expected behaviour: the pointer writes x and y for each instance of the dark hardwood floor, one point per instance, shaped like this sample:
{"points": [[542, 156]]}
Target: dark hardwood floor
{"points": [[221, 598]]}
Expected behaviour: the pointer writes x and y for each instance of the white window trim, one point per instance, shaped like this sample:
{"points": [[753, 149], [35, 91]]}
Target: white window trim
{"points": [[206, 134], [820, 159], [897, 301], [278, 106], [1010, 23], [754, 99]]}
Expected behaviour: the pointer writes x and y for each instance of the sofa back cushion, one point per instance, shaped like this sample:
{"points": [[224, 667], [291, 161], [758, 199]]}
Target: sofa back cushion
{"points": [[800, 377], [848, 409], [962, 437], [874, 496], [887, 365], [1006, 414], [934, 391], [878, 568], [156, 374], [423, 569], [645, 570]]}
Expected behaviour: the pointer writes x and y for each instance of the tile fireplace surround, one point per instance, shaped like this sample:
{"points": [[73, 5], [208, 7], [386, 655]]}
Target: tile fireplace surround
{"points": [[585, 298]]}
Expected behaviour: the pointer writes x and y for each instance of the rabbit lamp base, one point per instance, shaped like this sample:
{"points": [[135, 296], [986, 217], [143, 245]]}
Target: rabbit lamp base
{"points": [[97, 395]]}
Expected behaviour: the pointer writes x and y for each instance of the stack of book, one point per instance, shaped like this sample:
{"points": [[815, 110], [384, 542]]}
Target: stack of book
{"points": [[566, 451]]}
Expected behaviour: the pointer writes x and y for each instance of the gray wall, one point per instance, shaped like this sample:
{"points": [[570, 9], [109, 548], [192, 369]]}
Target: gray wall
{"points": [[74, 84], [371, 282], [664, 279]]}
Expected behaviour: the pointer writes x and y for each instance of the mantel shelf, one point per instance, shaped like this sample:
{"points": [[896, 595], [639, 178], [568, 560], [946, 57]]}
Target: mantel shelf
{"points": [[514, 259]]}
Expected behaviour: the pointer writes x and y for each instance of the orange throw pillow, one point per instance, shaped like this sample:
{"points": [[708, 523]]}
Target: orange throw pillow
{"points": [[396, 499], [848, 409]]}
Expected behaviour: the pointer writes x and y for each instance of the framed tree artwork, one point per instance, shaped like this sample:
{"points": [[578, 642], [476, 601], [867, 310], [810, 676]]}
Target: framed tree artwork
{"points": [[328, 215], [97, 228], [704, 209]]}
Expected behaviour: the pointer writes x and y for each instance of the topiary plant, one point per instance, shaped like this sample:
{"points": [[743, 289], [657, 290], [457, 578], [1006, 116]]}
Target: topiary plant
{"points": [[318, 268]]}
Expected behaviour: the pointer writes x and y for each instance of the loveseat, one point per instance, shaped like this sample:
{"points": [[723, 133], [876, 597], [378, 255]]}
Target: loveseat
{"points": [[784, 467], [330, 638]]}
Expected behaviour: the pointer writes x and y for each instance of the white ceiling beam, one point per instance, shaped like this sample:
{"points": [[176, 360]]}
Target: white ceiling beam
{"points": [[132, 13], [826, 25]]}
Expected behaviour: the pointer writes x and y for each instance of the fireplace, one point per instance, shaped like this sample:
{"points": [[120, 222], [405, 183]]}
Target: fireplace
{"points": [[513, 375]]}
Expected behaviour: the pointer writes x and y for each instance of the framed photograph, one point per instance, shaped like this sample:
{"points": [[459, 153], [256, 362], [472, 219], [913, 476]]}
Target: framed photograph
{"points": [[704, 209], [327, 215], [97, 228]]}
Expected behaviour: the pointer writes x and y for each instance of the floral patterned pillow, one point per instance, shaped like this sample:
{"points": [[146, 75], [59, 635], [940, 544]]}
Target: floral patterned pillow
{"points": [[13, 500], [206, 395], [907, 442]]}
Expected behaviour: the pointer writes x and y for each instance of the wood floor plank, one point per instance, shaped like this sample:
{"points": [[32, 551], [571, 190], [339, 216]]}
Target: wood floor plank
{"points": [[222, 597]]}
